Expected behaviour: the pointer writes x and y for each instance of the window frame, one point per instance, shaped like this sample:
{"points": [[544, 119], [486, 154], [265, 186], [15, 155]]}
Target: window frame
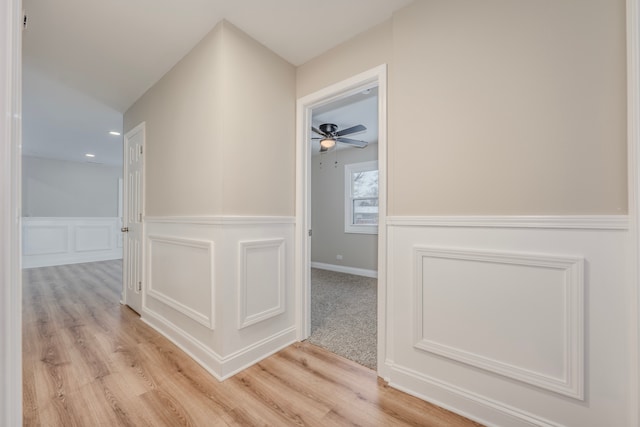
{"points": [[349, 170]]}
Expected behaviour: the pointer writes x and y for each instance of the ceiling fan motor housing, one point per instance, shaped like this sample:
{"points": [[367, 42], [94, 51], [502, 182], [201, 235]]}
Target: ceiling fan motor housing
{"points": [[328, 128]]}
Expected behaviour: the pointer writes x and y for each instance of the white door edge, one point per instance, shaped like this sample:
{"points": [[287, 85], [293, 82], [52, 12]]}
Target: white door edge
{"points": [[140, 128]]}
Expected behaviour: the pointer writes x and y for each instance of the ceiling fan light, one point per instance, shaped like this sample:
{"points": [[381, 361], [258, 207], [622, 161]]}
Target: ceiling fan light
{"points": [[327, 143]]}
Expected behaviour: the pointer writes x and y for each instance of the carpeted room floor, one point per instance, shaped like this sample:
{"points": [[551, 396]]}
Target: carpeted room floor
{"points": [[344, 315]]}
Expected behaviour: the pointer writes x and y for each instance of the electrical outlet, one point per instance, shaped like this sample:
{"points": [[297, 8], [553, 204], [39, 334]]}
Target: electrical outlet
{"points": [[339, 257]]}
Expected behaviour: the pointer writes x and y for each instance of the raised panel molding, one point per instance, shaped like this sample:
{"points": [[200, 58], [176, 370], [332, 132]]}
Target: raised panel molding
{"points": [[90, 238], [45, 239], [513, 294], [251, 253], [183, 255], [261, 281]]}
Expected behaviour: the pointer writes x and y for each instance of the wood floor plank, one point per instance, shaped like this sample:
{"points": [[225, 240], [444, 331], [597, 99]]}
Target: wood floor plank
{"points": [[349, 402], [203, 407], [88, 361]]}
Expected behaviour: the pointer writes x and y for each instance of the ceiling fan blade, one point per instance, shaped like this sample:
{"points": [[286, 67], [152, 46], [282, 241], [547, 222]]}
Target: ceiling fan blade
{"points": [[354, 142], [353, 129], [318, 131]]}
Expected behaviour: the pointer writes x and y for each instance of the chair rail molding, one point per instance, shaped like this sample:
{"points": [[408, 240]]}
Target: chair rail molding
{"points": [[583, 222]]}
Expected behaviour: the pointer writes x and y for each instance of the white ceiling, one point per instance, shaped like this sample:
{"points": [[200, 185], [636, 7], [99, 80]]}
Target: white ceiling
{"points": [[86, 61]]}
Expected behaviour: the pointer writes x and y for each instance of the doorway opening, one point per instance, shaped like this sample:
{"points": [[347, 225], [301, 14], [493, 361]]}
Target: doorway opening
{"points": [[339, 166], [344, 220]]}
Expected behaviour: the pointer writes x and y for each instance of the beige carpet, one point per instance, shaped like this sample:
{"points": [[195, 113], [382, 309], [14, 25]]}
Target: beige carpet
{"points": [[344, 315]]}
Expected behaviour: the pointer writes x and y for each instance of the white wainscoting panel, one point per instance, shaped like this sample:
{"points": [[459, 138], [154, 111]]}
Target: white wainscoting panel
{"points": [[40, 239], [182, 276], [512, 323], [89, 238], [518, 315], [58, 241], [230, 310], [261, 284]]}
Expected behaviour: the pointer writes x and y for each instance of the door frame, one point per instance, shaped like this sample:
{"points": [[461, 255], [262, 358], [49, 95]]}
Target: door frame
{"points": [[633, 178], [10, 213], [374, 77]]}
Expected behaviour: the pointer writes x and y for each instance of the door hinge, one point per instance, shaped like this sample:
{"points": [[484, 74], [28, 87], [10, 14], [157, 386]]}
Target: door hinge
{"points": [[310, 232], [139, 286], [140, 217], [141, 149]]}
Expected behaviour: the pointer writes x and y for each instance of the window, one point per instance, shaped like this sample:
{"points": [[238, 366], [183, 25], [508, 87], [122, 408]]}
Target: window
{"points": [[361, 198]]}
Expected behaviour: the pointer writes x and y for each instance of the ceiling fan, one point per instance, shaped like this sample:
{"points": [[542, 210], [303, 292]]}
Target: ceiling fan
{"points": [[329, 135]]}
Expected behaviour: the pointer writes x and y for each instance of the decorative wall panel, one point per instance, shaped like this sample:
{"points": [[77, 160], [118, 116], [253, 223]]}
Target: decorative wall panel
{"points": [[518, 315], [261, 284], [181, 276]]}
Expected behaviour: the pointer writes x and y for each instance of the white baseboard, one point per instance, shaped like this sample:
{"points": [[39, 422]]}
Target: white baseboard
{"points": [[471, 405], [345, 269], [221, 367]]}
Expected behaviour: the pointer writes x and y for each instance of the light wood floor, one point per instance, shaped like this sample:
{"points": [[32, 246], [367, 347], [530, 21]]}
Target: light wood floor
{"points": [[90, 362]]}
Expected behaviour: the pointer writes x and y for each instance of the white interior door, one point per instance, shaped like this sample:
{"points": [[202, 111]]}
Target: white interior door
{"points": [[132, 218]]}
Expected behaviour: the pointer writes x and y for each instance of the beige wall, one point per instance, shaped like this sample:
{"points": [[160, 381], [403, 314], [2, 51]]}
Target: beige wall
{"points": [[220, 131], [502, 107], [258, 123], [363, 52], [327, 212], [498, 107], [59, 188]]}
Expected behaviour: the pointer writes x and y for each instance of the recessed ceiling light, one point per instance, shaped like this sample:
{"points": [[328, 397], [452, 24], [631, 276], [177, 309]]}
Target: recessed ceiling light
{"points": [[89, 155], [113, 132]]}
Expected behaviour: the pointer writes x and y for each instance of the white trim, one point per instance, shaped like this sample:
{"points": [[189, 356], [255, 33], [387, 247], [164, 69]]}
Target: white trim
{"points": [[633, 151], [203, 355], [411, 380], [221, 367], [345, 269], [571, 382], [10, 205], [375, 76], [583, 222], [221, 220]]}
